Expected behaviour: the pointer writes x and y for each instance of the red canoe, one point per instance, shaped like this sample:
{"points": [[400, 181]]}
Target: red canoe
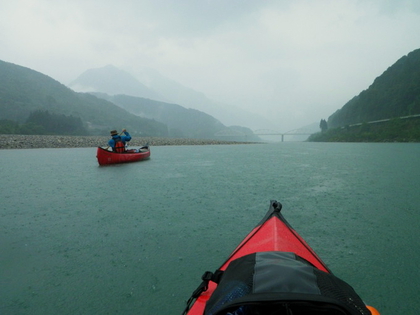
{"points": [[288, 272], [106, 157]]}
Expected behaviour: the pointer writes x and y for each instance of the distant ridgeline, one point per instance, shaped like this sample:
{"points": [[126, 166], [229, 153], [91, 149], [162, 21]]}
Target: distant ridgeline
{"points": [[386, 111], [33, 103], [181, 122]]}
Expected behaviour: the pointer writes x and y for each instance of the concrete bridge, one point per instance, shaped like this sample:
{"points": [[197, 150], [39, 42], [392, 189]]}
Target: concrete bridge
{"points": [[295, 132]]}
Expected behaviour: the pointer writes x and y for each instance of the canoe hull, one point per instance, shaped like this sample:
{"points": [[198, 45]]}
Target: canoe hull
{"points": [[106, 157]]}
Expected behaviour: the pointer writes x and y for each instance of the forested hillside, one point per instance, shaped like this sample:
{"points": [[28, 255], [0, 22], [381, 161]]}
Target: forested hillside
{"points": [[150, 84], [181, 122], [33, 103], [395, 93]]}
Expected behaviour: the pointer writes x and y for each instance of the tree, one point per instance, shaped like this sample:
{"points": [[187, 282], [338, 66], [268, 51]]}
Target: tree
{"points": [[51, 123], [8, 127], [323, 125]]}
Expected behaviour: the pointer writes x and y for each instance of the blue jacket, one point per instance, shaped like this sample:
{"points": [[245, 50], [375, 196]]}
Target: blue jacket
{"points": [[124, 139]]}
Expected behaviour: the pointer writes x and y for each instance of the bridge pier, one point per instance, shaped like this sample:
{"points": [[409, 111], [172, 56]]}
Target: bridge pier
{"points": [[282, 138]]}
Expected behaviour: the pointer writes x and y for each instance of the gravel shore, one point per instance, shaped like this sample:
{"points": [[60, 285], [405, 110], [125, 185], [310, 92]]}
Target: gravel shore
{"points": [[47, 141]]}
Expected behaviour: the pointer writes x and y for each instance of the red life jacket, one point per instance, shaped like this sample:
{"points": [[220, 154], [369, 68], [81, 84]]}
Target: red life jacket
{"points": [[119, 146]]}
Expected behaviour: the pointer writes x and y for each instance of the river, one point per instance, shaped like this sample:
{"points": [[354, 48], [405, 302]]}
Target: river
{"points": [[76, 238]]}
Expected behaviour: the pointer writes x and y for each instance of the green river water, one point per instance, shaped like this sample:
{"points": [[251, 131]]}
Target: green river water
{"points": [[76, 238]]}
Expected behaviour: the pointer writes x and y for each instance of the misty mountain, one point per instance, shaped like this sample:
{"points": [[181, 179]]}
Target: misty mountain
{"points": [[33, 103], [303, 133], [395, 93], [181, 122], [112, 80], [24, 92], [148, 83], [228, 114]]}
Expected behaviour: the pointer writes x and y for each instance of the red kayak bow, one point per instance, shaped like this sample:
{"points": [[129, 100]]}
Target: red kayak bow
{"points": [[270, 244]]}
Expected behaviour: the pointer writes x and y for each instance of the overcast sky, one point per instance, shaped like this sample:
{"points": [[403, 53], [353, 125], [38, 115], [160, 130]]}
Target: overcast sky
{"points": [[293, 61]]}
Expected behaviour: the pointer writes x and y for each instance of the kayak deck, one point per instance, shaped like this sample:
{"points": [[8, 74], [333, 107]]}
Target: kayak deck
{"points": [[275, 235]]}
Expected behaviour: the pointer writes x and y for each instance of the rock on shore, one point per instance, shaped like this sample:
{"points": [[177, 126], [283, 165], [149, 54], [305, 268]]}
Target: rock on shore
{"points": [[48, 141]]}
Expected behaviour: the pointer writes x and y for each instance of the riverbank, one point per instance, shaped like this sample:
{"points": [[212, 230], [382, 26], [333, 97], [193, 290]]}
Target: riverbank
{"points": [[48, 141]]}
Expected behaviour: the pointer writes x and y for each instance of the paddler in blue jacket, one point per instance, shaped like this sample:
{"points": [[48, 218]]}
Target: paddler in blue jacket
{"points": [[117, 142]]}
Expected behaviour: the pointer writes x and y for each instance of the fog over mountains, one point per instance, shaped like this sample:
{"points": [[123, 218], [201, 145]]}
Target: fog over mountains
{"points": [[148, 83]]}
